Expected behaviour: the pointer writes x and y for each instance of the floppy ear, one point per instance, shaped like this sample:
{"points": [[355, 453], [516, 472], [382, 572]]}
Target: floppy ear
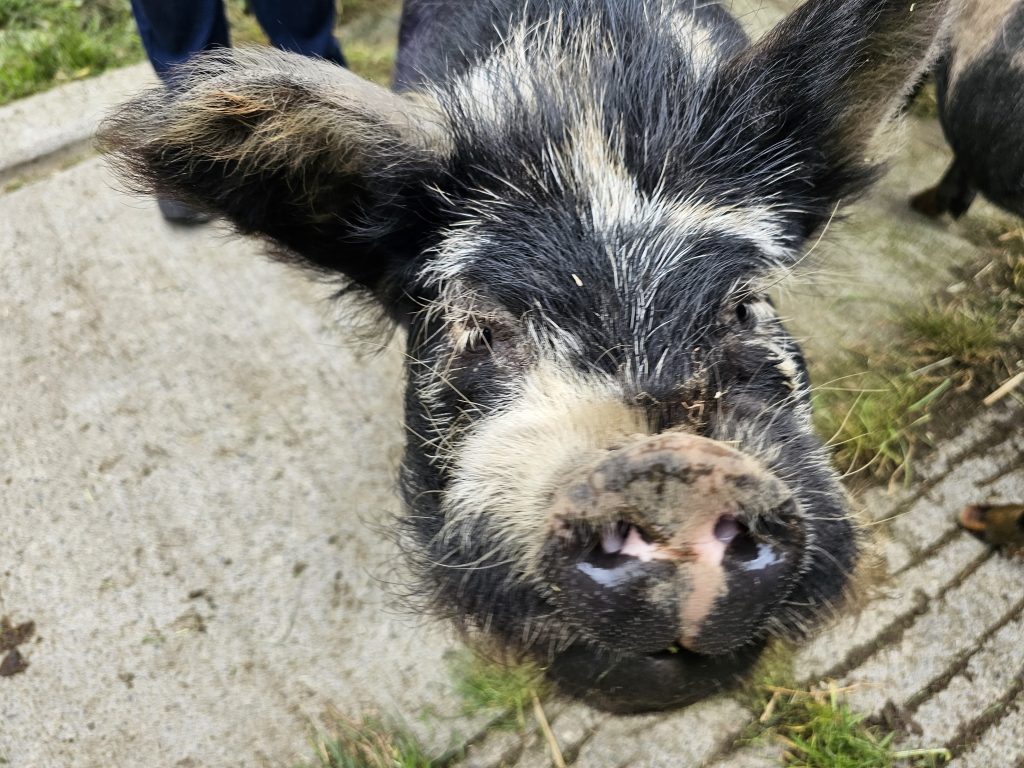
{"points": [[826, 82], [329, 167]]}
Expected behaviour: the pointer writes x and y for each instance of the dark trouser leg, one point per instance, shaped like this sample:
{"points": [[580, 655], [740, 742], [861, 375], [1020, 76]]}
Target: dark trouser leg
{"points": [[302, 26], [172, 32]]}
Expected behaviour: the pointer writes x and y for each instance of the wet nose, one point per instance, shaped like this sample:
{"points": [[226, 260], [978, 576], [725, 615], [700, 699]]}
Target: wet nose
{"points": [[674, 539]]}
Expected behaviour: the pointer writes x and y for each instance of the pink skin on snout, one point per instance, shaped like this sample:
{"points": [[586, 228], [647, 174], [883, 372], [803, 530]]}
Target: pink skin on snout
{"points": [[672, 497]]}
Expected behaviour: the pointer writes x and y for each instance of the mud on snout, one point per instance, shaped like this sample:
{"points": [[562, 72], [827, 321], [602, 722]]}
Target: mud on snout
{"points": [[669, 552]]}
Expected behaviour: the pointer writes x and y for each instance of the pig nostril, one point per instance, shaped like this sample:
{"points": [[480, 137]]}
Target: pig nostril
{"points": [[613, 537], [742, 546], [603, 580], [727, 528]]}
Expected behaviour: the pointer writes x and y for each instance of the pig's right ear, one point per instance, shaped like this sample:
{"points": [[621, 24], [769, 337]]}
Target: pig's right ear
{"points": [[817, 93], [329, 167]]}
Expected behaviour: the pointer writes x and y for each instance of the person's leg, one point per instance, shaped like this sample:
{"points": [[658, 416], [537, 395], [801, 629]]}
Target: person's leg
{"points": [[171, 32], [302, 26]]}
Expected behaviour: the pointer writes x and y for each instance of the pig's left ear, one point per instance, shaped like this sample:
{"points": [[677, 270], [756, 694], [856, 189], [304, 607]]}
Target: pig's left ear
{"points": [[329, 167], [825, 83]]}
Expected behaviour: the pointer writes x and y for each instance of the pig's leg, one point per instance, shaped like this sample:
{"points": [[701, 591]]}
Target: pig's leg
{"points": [[953, 194]]}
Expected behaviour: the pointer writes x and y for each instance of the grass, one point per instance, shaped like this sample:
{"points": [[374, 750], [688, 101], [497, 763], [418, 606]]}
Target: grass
{"points": [[366, 742], [44, 43], [925, 103], [815, 726], [48, 42], [880, 409], [819, 730], [504, 689]]}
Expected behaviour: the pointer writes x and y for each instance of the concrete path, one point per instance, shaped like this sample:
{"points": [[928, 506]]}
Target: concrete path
{"points": [[196, 476]]}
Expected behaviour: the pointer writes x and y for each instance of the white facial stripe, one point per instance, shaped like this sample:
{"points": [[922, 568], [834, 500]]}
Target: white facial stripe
{"points": [[511, 462], [590, 164], [598, 174], [760, 225], [528, 53], [615, 204]]}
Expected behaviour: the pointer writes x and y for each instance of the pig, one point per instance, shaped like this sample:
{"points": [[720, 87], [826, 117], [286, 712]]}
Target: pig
{"points": [[980, 88], [575, 210]]}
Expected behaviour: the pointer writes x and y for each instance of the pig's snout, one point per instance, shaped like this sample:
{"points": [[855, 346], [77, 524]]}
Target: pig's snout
{"points": [[672, 540]]}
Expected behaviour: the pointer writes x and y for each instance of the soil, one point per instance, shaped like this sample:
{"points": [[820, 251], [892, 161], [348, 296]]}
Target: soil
{"points": [[11, 636]]}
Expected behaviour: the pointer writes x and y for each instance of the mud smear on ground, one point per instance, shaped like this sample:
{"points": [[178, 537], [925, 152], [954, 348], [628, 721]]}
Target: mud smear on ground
{"points": [[11, 636]]}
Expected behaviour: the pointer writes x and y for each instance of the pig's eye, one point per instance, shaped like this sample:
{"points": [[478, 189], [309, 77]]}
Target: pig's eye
{"points": [[745, 313], [750, 311], [481, 340]]}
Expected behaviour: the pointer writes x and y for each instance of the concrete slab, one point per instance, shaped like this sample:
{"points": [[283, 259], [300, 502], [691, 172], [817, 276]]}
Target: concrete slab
{"points": [[62, 120], [689, 737], [1003, 745], [196, 472]]}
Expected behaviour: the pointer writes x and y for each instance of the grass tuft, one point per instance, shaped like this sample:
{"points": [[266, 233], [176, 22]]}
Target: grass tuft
{"points": [[367, 742], [485, 685], [964, 334], [873, 420], [817, 729], [879, 410]]}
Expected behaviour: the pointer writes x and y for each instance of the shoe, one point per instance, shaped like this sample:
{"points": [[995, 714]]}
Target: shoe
{"points": [[178, 212]]}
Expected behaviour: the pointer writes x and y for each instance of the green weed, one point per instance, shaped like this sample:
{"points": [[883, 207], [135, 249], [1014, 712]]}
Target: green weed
{"points": [[488, 685], [877, 409], [818, 730], [367, 742]]}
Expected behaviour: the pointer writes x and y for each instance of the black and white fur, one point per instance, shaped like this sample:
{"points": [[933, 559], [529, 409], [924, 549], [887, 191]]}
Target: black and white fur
{"points": [[574, 208], [980, 89]]}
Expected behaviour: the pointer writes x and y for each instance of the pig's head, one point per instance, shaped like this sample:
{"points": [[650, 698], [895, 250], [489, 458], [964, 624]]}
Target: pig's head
{"points": [[610, 459]]}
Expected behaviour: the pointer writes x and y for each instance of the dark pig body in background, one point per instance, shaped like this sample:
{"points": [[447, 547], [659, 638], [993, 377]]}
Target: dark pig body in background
{"points": [[574, 208], [980, 89]]}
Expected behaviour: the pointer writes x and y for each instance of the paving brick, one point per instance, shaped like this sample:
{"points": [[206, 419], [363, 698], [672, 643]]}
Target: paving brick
{"points": [[951, 626], [934, 515], [615, 743], [574, 725], [895, 554], [1008, 488], [1000, 747], [988, 677], [900, 599], [766, 754], [690, 737], [498, 748], [951, 451]]}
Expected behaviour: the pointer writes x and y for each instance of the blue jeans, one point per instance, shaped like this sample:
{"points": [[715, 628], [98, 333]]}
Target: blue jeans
{"points": [[174, 30]]}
